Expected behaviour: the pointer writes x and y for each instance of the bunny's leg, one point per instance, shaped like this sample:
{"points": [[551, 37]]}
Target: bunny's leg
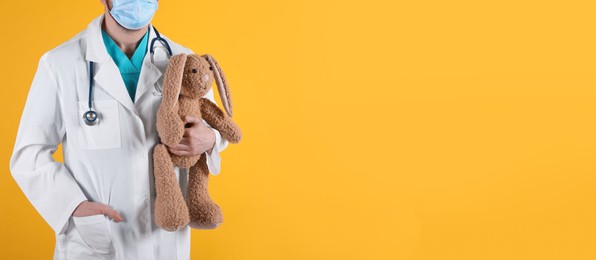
{"points": [[171, 212], [204, 213]]}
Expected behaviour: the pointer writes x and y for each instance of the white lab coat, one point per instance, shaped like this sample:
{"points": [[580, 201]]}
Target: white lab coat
{"points": [[110, 162]]}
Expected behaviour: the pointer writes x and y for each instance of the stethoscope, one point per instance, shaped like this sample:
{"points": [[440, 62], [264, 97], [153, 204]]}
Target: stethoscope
{"points": [[91, 117]]}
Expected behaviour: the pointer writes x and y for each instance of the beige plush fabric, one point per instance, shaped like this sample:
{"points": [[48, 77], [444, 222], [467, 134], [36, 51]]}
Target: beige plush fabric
{"points": [[187, 79]]}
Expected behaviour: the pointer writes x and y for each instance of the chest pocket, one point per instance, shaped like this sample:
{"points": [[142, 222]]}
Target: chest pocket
{"points": [[106, 133]]}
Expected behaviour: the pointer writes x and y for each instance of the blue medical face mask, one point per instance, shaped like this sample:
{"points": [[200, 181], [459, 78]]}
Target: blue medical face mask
{"points": [[133, 14]]}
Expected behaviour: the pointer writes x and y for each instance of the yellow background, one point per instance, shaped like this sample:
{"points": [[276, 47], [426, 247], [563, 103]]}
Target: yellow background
{"points": [[372, 129]]}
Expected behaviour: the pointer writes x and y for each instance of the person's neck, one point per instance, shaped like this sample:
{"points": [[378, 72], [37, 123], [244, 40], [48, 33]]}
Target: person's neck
{"points": [[126, 39]]}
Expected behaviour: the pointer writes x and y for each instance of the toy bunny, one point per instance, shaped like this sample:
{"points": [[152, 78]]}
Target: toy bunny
{"points": [[187, 79]]}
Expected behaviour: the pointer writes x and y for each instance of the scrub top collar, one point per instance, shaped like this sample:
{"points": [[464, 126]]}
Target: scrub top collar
{"points": [[126, 65], [130, 69]]}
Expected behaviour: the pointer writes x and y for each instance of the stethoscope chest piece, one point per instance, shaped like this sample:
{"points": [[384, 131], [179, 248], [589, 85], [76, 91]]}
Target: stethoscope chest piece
{"points": [[90, 118]]}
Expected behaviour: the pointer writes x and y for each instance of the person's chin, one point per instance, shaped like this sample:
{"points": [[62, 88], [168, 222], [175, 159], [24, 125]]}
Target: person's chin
{"points": [[130, 30]]}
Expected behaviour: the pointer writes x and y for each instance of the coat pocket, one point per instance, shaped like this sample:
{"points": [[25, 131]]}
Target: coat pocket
{"points": [[106, 133], [95, 232]]}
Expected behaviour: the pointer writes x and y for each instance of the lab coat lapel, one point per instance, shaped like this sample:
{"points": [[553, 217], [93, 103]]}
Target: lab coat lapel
{"points": [[107, 75], [150, 74], [109, 79]]}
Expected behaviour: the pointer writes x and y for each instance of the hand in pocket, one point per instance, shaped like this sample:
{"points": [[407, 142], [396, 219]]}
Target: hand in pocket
{"points": [[87, 208]]}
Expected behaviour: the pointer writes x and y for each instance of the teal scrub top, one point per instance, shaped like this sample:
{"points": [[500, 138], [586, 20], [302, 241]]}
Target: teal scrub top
{"points": [[130, 69]]}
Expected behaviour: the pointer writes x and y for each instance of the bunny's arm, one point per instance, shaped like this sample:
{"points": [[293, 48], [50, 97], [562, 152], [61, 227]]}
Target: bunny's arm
{"points": [[217, 119], [170, 126]]}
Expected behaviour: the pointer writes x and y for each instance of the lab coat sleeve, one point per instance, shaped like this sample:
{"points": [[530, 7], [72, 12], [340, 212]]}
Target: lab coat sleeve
{"points": [[47, 184], [213, 159]]}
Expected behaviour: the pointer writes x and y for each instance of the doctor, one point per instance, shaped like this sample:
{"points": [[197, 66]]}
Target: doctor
{"points": [[99, 201]]}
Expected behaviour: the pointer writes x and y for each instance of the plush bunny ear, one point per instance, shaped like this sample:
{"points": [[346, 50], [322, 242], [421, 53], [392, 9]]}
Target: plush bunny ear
{"points": [[172, 81], [222, 84]]}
